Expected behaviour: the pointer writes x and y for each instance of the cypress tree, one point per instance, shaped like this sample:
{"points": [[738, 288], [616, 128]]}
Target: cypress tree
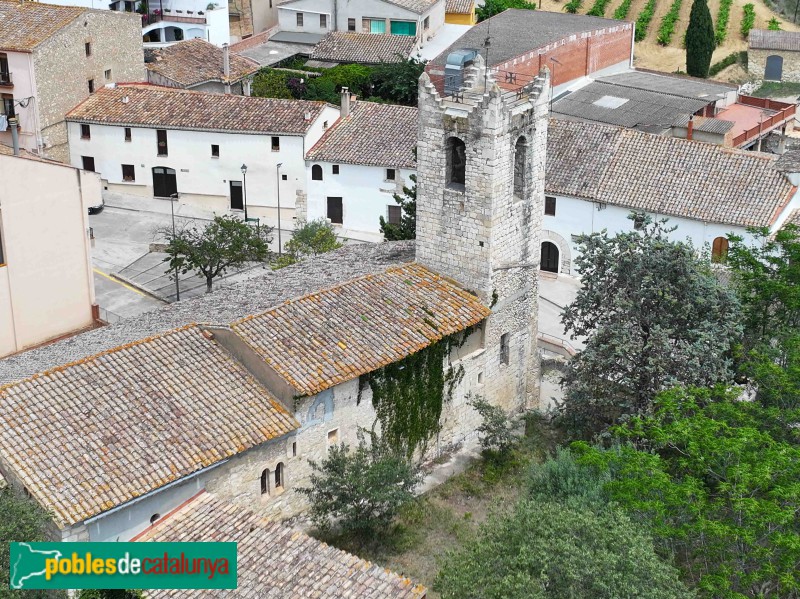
{"points": [[699, 40]]}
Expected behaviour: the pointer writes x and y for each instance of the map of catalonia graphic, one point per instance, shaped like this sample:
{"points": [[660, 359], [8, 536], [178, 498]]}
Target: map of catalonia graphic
{"points": [[34, 564]]}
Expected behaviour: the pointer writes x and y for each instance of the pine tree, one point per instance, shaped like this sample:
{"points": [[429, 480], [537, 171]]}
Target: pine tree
{"points": [[699, 40]]}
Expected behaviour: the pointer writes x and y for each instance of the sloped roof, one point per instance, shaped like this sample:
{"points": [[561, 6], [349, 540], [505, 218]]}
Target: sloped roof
{"points": [[195, 61], [153, 106], [664, 175], [25, 25], [764, 39], [91, 435], [460, 7], [274, 561], [417, 6], [354, 139], [335, 335], [367, 48]]}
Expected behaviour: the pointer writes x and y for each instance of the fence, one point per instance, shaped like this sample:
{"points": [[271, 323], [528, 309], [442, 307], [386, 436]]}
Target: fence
{"points": [[783, 113]]}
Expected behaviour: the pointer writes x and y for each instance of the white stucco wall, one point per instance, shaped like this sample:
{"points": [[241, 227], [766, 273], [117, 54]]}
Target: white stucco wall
{"points": [[365, 192], [20, 66], [46, 283]]}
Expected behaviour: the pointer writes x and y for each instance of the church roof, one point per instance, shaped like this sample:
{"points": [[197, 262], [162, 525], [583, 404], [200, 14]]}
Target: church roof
{"points": [[91, 435], [273, 560]]}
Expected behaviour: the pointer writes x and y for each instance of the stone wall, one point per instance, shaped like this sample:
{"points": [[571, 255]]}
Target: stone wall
{"points": [[63, 70], [757, 63]]}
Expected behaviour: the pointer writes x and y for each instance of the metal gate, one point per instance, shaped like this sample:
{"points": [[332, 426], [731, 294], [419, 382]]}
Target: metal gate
{"points": [[774, 69]]}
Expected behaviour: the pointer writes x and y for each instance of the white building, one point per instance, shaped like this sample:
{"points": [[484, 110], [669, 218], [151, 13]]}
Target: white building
{"points": [[352, 171], [170, 21], [46, 281], [158, 141]]}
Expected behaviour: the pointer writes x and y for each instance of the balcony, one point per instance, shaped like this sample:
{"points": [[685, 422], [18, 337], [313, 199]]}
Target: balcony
{"points": [[156, 17], [5, 79]]}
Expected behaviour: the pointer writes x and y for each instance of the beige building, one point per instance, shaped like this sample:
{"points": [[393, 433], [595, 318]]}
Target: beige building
{"points": [[52, 58], [46, 284], [774, 55]]}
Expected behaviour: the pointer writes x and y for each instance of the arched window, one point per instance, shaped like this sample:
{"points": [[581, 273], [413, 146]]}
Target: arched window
{"points": [[154, 517], [520, 157], [265, 482], [316, 172], [456, 154], [719, 250], [549, 260], [279, 476]]}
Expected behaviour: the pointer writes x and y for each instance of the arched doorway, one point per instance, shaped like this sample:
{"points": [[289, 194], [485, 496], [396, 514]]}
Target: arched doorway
{"points": [[774, 68], [719, 250], [549, 261], [164, 182]]}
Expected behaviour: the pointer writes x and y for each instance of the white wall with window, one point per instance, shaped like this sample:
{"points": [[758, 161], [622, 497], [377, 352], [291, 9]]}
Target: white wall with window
{"points": [[357, 195]]}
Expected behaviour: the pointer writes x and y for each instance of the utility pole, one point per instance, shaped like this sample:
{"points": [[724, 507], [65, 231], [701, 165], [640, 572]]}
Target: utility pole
{"points": [[172, 199], [278, 183]]}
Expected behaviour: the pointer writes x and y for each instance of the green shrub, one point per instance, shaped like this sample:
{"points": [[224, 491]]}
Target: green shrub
{"points": [[774, 24], [644, 18], [598, 8], [496, 436], [623, 9], [269, 83], [562, 479], [721, 28], [668, 23], [573, 6], [725, 63], [748, 20]]}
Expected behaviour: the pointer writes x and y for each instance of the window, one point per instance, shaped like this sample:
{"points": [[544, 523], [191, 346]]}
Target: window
{"points": [[128, 172], [324, 124], [323, 21], [335, 210], [276, 144], [426, 24], [549, 205], [5, 74], [88, 163], [2, 257], [456, 158], [294, 449], [333, 437], [107, 74], [299, 19], [520, 156], [154, 517], [87, 47], [265, 482], [279, 476], [395, 214], [390, 174], [8, 105], [719, 250], [403, 28], [127, 133], [335, 169], [480, 378], [214, 151], [284, 177], [351, 24], [638, 221], [86, 132], [91, 86], [316, 173], [161, 136], [504, 349], [373, 26]]}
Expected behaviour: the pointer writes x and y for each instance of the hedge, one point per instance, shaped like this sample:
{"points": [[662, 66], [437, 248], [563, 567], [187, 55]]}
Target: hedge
{"points": [[573, 6], [668, 23], [740, 57], [623, 9], [721, 28], [598, 8], [644, 18], [748, 20]]}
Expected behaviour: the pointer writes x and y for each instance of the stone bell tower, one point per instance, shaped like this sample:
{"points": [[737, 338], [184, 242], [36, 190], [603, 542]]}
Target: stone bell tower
{"points": [[480, 176]]}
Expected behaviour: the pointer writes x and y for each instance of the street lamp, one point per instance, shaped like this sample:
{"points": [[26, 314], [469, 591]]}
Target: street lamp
{"points": [[278, 183], [244, 189], [172, 199]]}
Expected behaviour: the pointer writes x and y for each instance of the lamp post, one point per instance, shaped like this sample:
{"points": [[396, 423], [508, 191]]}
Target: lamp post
{"points": [[278, 183], [172, 199], [244, 189]]}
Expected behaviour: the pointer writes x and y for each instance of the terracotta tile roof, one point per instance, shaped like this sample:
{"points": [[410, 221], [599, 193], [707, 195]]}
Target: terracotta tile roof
{"points": [[91, 435], [417, 6], [664, 175], [793, 219], [460, 7], [368, 48], [335, 335], [764, 39], [274, 561], [196, 61], [25, 25], [23, 153], [152, 106], [353, 140]]}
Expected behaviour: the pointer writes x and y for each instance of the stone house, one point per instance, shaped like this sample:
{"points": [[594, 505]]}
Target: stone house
{"points": [[287, 360], [774, 55], [158, 141], [54, 57]]}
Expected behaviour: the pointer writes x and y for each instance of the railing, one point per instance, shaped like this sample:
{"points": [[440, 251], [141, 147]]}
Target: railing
{"points": [[556, 344], [5, 78], [783, 113], [155, 18]]}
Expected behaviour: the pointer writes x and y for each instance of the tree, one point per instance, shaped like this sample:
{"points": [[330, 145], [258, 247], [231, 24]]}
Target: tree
{"points": [[398, 82], [495, 433], [492, 7], [654, 316], [361, 489], [224, 243], [552, 550], [699, 40], [407, 229], [309, 239], [716, 480], [269, 83]]}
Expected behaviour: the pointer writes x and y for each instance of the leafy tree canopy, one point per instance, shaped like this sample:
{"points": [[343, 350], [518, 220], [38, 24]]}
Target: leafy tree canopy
{"points": [[407, 229], [700, 41], [492, 7], [398, 82], [224, 243], [653, 315], [309, 239]]}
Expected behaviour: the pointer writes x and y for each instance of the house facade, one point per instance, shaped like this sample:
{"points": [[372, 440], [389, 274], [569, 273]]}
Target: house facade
{"points": [[46, 280], [161, 141], [774, 55], [38, 44]]}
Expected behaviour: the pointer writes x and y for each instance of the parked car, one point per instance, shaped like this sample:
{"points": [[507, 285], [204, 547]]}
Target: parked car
{"points": [[97, 208]]}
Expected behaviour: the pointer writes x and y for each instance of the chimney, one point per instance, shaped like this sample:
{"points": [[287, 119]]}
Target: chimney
{"points": [[345, 107], [226, 67], [690, 127], [307, 116], [12, 123]]}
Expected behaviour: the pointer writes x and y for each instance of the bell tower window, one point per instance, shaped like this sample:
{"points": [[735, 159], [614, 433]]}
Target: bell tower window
{"points": [[520, 158], [456, 152]]}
